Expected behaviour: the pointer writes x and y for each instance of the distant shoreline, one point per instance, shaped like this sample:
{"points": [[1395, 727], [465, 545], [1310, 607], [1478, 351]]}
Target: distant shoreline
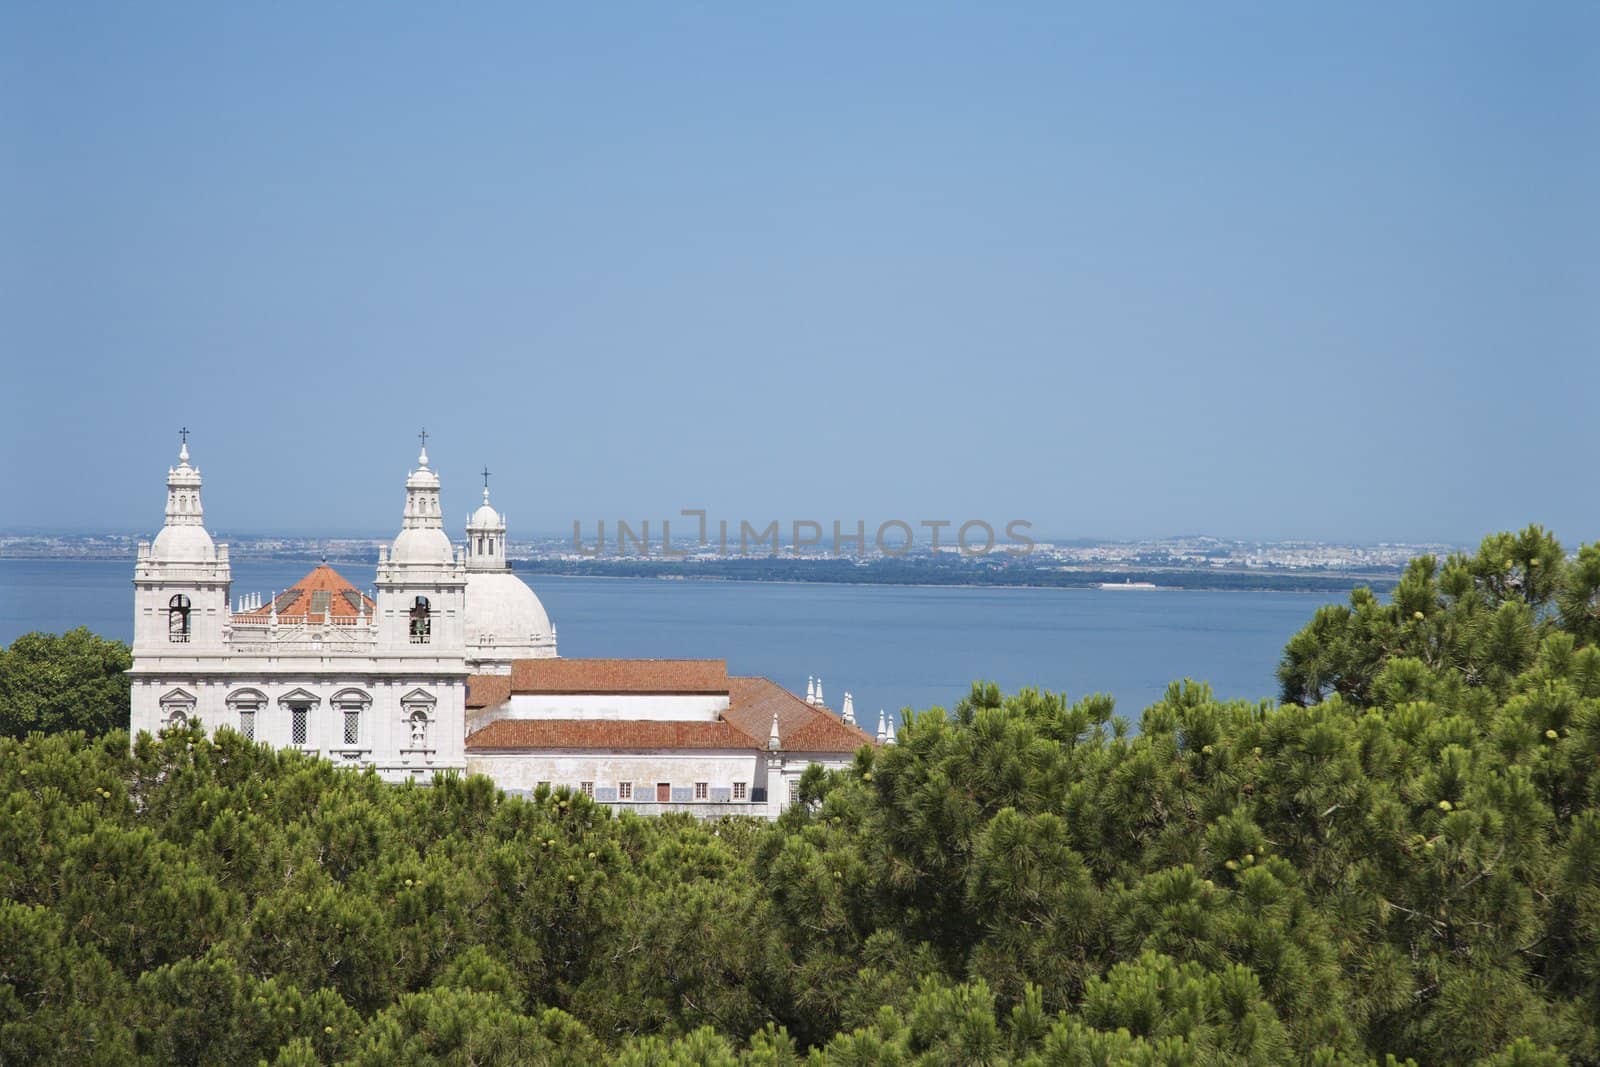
{"points": [[1186, 581]]}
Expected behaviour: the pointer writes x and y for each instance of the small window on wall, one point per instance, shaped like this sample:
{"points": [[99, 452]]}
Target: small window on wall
{"points": [[738, 790], [351, 705], [178, 618], [624, 790], [702, 790], [246, 703], [587, 788], [297, 725], [421, 621]]}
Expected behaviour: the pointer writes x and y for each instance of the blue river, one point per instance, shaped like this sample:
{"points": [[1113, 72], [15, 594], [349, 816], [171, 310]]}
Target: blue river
{"points": [[892, 646]]}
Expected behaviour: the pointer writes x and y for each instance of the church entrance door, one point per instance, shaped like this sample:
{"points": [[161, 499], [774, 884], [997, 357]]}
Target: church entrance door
{"points": [[663, 792]]}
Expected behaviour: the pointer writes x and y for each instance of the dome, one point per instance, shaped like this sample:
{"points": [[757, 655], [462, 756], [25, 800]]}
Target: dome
{"points": [[503, 614], [484, 518], [183, 544], [422, 544]]}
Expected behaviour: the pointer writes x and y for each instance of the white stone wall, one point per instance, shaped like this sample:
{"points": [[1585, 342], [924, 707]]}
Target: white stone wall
{"points": [[385, 739], [685, 708], [773, 778], [718, 768]]}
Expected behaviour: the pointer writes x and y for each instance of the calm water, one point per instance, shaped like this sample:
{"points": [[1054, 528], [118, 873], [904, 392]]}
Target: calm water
{"points": [[891, 646]]}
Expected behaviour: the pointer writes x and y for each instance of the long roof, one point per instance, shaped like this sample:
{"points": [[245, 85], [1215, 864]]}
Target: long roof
{"points": [[745, 724], [613, 734], [660, 676]]}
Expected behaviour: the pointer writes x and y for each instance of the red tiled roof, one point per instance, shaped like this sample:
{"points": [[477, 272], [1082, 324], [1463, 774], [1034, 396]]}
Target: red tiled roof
{"points": [[322, 591], [608, 734], [487, 690], [801, 727], [745, 725], [619, 676]]}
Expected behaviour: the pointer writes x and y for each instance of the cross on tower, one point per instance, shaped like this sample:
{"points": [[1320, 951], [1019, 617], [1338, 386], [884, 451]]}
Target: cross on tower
{"points": [[184, 434], [424, 436], [486, 477]]}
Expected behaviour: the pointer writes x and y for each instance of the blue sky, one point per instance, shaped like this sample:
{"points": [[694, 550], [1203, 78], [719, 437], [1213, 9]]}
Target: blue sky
{"points": [[1260, 270]]}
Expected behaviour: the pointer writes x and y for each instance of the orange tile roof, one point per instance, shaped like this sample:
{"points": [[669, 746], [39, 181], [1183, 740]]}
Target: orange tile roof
{"points": [[609, 734], [619, 676], [322, 591], [801, 727], [745, 725], [487, 690]]}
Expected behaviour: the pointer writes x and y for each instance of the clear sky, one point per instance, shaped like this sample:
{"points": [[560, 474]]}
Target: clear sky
{"points": [[1321, 270]]}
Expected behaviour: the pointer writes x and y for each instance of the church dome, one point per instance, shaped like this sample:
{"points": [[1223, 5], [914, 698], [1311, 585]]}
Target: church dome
{"points": [[486, 517], [504, 619], [183, 544], [422, 544]]}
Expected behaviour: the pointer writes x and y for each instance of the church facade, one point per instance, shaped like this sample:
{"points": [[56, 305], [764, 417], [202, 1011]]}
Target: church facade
{"points": [[452, 666]]}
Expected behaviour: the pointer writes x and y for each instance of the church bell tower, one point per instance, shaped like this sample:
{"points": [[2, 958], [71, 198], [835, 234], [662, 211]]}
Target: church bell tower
{"points": [[421, 580], [181, 579]]}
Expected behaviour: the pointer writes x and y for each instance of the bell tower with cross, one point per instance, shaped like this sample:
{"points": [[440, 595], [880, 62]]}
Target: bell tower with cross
{"points": [[181, 579], [421, 583], [180, 609]]}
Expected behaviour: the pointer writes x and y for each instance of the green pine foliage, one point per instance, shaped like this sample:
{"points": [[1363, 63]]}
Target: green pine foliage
{"points": [[1400, 862]]}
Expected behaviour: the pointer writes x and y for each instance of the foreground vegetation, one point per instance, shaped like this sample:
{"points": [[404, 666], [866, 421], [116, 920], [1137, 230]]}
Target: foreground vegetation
{"points": [[1402, 861]]}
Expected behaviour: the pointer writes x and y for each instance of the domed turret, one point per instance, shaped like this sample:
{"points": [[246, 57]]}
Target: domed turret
{"points": [[420, 581], [181, 579], [486, 535], [505, 620], [183, 539], [422, 540]]}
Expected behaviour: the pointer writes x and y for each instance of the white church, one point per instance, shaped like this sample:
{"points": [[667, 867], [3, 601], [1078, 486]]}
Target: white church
{"points": [[453, 667]]}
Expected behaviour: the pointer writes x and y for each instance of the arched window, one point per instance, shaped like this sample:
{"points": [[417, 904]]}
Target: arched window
{"points": [[421, 621], [178, 618], [491, 546]]}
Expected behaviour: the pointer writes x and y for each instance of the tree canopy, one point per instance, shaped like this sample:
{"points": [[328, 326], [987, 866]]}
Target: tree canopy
{"points": [[1402, 864], [70, 681]]}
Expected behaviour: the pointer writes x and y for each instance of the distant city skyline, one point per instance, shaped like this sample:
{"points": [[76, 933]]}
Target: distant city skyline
{"points": [[1267, 273]]}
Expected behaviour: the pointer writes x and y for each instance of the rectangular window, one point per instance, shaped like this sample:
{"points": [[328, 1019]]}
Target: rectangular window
{"points": [[297, 726], [587, 788], [247, 723], [352, 726], [701, 790], [624, 790], [738, 790]]}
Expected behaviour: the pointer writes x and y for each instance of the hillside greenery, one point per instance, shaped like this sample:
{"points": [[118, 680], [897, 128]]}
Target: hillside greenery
{"points": [[1400, 861]]}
